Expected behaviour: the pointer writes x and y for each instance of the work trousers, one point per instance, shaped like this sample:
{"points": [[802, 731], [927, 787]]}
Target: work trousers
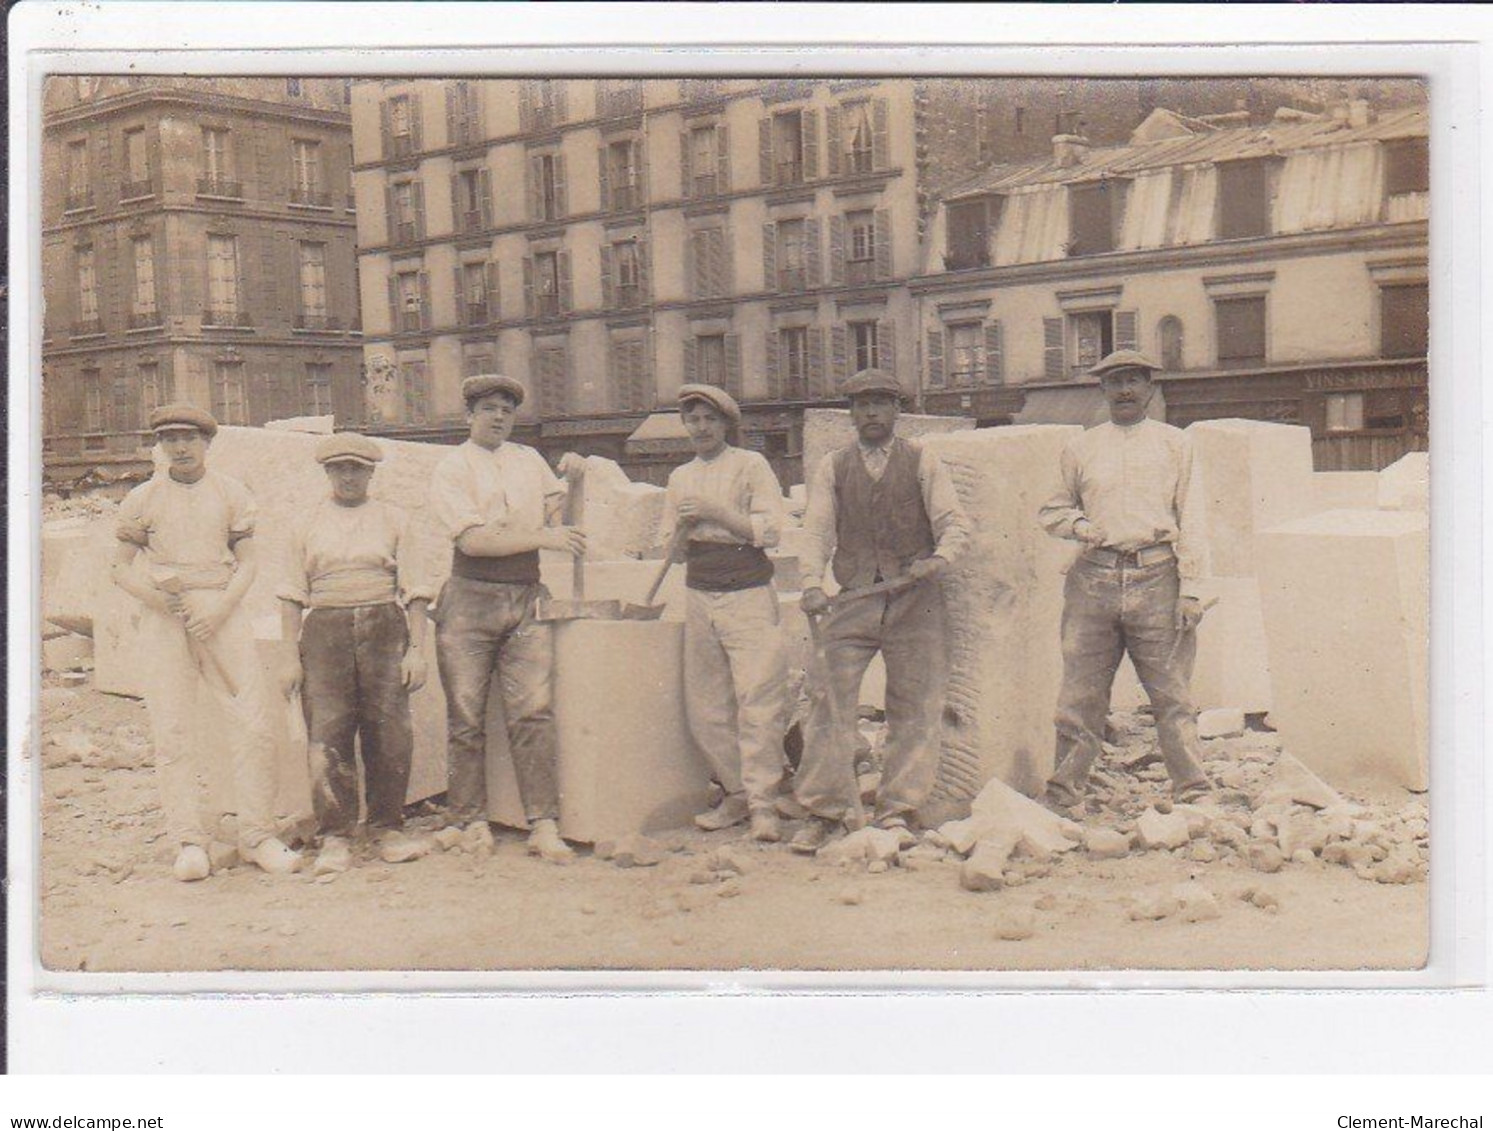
{"points": [[736, 688], [352, 686], [178, 677], [908, 629], [486, 629], [1107, 612]]}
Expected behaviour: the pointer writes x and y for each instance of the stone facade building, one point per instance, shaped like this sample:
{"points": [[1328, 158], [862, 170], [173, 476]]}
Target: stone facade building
{"points": [[197, 244]]}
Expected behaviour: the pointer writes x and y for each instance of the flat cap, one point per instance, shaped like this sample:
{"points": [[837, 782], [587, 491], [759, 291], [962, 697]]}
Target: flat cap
{"points": [[874, 381], [1124, 359], [722, 401], [183, 415], [484, 384], [348, 447]]}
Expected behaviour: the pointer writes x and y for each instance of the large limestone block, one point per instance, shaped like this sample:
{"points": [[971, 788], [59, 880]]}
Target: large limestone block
{"points": [[1344, 491], [1253, 474], [826, 429], [318, 425], [626, 580], [1005, 605], [1405, 485], [621, 518], [1346, 599]]}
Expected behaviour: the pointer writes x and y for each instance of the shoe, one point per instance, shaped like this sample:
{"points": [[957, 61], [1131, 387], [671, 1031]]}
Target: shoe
{"points": [[191, 864], [335, 856], [731, 811], [894, 821], [545, 843], [765, 826], [272, 856], [395, 847], [1193, 793], [788, 807], [813, 836], [1060, 801]]}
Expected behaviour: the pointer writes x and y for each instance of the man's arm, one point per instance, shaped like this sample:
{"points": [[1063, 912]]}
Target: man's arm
{"points": [[122, 573], [951, 529], [1062, 515]]}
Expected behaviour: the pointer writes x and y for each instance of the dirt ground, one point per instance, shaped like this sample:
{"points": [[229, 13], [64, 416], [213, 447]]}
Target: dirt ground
{"points": [[108, 902]]}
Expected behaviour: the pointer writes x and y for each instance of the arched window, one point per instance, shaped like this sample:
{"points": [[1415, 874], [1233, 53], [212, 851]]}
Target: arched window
{"points": [[1169, 343]]}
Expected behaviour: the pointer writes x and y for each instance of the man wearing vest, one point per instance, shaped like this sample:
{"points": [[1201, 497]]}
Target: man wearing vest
{"points": [[879, 510], [494, 499]]}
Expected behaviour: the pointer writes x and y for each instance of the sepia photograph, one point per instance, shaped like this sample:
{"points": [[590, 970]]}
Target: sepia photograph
{"points": [[695, 523]]}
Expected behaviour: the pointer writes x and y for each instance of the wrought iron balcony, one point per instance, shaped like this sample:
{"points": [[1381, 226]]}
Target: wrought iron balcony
{"points": [[145, 319], [403, 233], [324, 323], [470, 221], [225, 319], [84, 327], [474, 314], [790, 173], [546, 306], [220, 187], [626, 197], [137, 190], [310, 198]]}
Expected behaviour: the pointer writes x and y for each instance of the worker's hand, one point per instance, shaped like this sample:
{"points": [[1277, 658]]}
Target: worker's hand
{"points": [[206, 613], [693, 509], [567, 539], [1189, 613], [1089, 533], [290, 675], [814, 602], [926, 567], [413, 669], [572, 466]]}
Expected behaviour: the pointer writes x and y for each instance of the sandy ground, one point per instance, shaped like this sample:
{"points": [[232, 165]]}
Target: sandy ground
{"points": [[108, 902]]}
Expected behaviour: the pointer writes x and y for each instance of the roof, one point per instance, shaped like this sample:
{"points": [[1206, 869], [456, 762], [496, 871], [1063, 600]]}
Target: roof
{"points": [[1209, 144]]}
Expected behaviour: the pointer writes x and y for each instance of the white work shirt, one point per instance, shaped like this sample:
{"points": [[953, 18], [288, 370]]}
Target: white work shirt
{"points": [[1138, 484], [343, 557], [739, 480], [188, 530], [511, 486]]}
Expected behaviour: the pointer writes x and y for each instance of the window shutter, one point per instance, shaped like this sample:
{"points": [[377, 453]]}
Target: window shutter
{"points": [[839, 352], [560, 205], [390, 219], [456, 203], [426, 319], [242, 168], [386, 128], [640, 165], [935, 359], [608, 293], [691, 360], [880, 157], [837, 251], [722, 159], [994, 361], [764, 150], [832, 139], [817, 375], [562, 113], [1125, 330], [774, 368], [886, 345], [461, 295], [393, 303], [528, 286], [883, 244], [692, 246], [415, 121], [484, 180], [526, 105], [770, 257], [452, 129], [645, 271], [814, 237], [494, 292], [733, 365], [1053, 364], [536, 203], [809, 133], [603, 178], [567, 303], [417, 195], [686, 166]]}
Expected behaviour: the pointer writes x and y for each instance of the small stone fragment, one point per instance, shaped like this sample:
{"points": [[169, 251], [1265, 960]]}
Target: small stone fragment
{"points": [[1162, 830], [1153, 907], [222, 856], [984, 870], [1106, 844], [729, 860], [877, 867], [1292, 781], [1195, 903], [1303, 856], [1015, 924], [1221, 722], [1202, 852], [447, 839], [851, 897], [637, 851], [1264, 857], [729, 889]]}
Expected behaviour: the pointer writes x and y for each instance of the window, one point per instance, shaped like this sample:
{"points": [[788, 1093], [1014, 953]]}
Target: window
{"points": [[552, 366], [465, 114], [474, 294], [88, 315], [313, 265], [864, 341], [616, 98], [1345, 412], [859, 139], [228, 392], [626, 263], [968, 236], [293, 87], [222, 280], [407, 208], [1241, 331], [622, 176], [1169, 343], [1407, 166], [305, 157], [470, 214], [861, 260], [539, 105], [93, 400], [547, 186], [966, 356], [1091, 337], [1404, 320], [704, 157], [475, 363], [217, 175], [793, 255], [136, 166], [1092, 214], [710, 360], [1243, 200], [401, 125], [319, 388], [79, 190], [788, 147], [708, 263], [412, 375], [151, 394], [143, 308], [794, 344], [629, 374], [411, 302], [547, 284]]}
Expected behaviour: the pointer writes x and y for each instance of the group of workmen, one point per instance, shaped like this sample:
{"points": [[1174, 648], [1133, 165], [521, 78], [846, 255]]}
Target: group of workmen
{"points": [[882, 517]]}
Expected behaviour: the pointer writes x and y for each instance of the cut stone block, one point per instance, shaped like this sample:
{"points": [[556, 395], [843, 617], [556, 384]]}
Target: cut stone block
{"points": [[1344, 491], [1347, 603], [66, 653], [1405, 485], [627, 581], [1253, 474], [826, 429], [316, 425], [621, 518], [1221, 722]]}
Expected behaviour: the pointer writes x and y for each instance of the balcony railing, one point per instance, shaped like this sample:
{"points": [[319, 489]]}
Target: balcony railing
{"points": [[859, 161], [223, 318], [470, 221], [401, 145], [962, 257], [136, 190], [792, 279], [629, 296], [790, 173], [145, 319], [626, 197], [546, 306], [705, 184], [310, 198], [318, 322], [403, 233], [79, 199], [85, 327], [542, 117], [860, 271], [411, 321], [474, 314], [220, 187]]}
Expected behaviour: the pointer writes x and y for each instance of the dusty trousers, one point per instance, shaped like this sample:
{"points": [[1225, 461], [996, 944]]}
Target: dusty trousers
{"points": [[1107, 612], [908, 629], [736, 688], [486, 629], [352, 686], [177, 680]]}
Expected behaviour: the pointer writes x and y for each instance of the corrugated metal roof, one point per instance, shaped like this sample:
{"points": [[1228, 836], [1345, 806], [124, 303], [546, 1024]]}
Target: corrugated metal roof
{"points": [[1276, 138]]}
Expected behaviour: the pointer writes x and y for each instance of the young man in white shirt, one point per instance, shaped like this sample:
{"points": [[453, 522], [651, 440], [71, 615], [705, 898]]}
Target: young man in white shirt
{"points": [[1130, 495]]}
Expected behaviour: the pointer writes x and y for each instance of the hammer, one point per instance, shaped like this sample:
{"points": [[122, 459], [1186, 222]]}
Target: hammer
{"points": [[202, 655]]}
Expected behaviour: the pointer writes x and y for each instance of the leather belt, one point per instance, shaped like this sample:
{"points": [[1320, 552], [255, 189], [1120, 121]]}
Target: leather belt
{"points": [[1146, 555]]}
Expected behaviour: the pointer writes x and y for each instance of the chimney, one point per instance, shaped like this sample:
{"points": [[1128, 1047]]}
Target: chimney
{"points": [[1359, 113], [1069, 150]]}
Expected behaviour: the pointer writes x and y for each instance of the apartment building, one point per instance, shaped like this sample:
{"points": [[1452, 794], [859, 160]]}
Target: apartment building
{"points": [[1277, 271], [198, 244]]}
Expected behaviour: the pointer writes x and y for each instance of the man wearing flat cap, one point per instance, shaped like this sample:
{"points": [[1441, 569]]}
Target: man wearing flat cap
{"points": [[1130, 495], [196, 530], [880, 511], [355, 600], [495, 500], [722, 511]]}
